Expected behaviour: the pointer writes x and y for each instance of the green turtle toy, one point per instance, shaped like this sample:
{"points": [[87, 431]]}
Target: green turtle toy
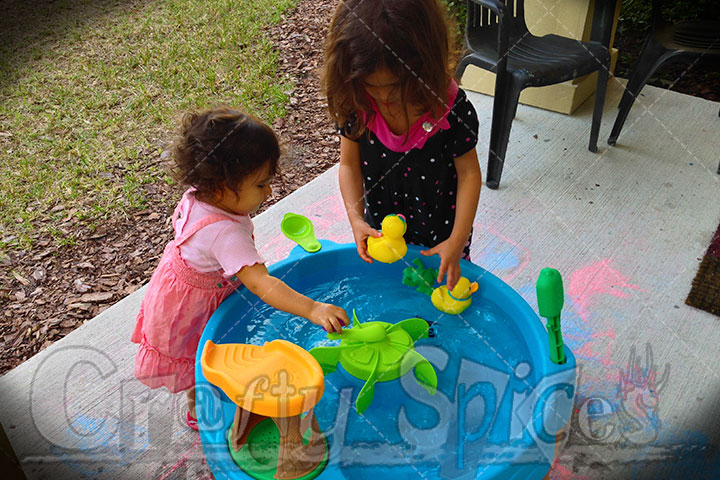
{"points": [[420, 277], [378, 352]]}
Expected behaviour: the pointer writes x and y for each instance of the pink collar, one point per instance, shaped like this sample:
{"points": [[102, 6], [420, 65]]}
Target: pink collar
{"points": [[420, 131]]}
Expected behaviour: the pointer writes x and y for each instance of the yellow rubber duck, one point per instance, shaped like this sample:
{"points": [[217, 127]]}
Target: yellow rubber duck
{"points": [[456, 301], [391, 247]]}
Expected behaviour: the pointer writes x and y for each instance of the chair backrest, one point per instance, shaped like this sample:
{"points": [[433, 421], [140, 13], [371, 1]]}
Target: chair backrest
{"points": [[482, 24], [699, 36]]}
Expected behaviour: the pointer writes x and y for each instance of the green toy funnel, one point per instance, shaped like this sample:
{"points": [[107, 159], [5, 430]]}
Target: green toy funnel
{"points": [[300, 230]]}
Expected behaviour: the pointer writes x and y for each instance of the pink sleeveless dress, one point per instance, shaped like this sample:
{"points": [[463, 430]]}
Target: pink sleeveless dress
{"points": [[178, 303]]}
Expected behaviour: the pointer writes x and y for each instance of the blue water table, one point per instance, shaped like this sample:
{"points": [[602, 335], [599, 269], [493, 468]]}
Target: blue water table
{"points": [[475, 395]]}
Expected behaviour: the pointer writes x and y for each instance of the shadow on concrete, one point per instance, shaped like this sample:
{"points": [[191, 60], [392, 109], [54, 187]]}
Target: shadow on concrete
{"points": [[8, 461], [695, 453]]}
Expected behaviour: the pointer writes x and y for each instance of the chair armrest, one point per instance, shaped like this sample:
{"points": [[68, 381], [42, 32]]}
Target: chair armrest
{"points": [[502, 11]]}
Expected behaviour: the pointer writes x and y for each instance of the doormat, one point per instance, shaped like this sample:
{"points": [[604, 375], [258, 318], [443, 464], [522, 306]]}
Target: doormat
{"points": [[705, 291]]}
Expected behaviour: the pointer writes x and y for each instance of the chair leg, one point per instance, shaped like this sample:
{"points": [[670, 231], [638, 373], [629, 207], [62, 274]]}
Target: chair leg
{"points": [[599, 105], [652, 56], [514, 113], [507, 92]]}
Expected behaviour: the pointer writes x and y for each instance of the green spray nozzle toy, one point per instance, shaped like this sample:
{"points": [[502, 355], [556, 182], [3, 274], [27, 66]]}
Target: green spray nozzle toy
{"points": [[550, 298]]}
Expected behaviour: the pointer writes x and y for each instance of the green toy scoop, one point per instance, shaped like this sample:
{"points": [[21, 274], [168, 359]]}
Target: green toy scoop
{"points": [[300, 230], [378, 352]]}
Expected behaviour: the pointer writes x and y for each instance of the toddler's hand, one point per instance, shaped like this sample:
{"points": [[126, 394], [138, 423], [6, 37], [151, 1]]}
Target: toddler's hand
{"points": [[361, 232], [449, 261], [330, 317]]}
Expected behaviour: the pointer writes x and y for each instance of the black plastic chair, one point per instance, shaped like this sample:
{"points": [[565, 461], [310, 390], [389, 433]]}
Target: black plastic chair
{"points": [[498, 40], [668, 43]]}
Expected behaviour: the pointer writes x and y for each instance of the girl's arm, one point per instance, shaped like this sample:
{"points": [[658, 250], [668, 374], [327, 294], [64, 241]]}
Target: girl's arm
{"points": [[276, 293], [469, 182], [351, 189], [350, 176], [468, 193]]}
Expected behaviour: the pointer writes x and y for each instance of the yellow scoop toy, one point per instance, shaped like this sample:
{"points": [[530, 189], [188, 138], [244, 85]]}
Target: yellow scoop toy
{"points": [[391, 247], [456, 301], [274, 434], [279, 379]]}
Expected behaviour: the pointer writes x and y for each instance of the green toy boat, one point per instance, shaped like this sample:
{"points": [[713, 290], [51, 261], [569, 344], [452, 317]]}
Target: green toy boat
{"points": [[378, 352]]}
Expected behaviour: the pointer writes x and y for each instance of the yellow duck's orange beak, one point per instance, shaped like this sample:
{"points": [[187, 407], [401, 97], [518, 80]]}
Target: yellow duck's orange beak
{"points": [[473, 287]]}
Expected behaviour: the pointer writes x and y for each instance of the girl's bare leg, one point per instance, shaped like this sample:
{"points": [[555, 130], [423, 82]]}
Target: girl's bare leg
{"points": [[190, 393]]}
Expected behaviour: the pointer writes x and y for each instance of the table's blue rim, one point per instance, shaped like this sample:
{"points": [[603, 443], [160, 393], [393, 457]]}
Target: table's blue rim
{"points": [[537, 342]]}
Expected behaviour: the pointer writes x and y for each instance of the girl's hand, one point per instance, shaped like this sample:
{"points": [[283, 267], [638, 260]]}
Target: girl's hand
{"points": [[361, 231], [330, 317], [450, 254]]}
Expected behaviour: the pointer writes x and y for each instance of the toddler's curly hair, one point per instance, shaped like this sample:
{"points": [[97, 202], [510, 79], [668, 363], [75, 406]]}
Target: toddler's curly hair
{"points": [[220, 147]]}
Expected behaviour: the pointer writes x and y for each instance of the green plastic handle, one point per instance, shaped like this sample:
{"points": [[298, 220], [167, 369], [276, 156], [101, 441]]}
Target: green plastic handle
{"points": [[299, 229], [550, 298], [550, 295]]}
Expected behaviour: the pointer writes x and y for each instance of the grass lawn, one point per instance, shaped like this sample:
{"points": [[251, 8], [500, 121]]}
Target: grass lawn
{"points": [[91, 92]]}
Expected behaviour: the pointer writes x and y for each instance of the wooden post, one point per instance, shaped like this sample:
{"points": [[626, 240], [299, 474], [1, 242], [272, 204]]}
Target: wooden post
{"points": [[296, 459], [243, 423]]}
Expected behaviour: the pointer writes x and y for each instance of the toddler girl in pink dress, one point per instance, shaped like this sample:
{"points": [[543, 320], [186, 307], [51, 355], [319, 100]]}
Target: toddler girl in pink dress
{"points": [[228, 159]]}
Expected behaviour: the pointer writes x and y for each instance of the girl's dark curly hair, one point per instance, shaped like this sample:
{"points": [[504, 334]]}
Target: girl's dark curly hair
{"points": [[414, 39], [220, 147]]}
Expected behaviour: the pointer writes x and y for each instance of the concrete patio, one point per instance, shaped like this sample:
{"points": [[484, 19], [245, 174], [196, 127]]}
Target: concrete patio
{"points": [[626, 227]]}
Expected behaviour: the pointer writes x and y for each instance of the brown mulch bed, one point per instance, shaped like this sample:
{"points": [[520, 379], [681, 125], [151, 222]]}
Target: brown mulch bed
{"points": [[705, 291], [49, 291]]}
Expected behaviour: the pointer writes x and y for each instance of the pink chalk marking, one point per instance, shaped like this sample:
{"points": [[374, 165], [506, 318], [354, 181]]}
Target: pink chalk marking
{"points": [[558, 472], [597, 279], [588, 350], [332, 212], [276, 249], [585, 284], [183, 459], [330, 209]]}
